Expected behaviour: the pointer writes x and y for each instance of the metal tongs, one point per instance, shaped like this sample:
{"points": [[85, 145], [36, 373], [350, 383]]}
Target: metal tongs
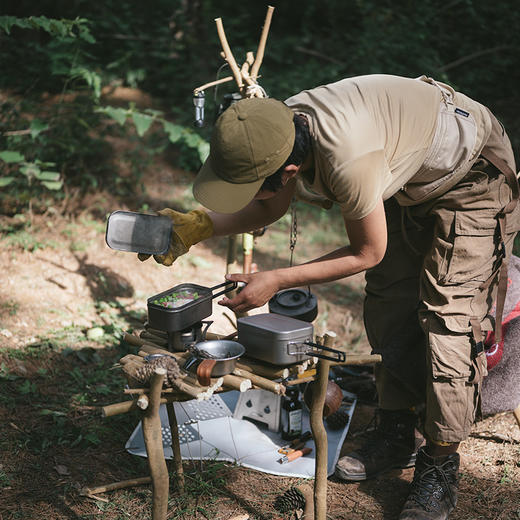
{"points": [[309, 348]]}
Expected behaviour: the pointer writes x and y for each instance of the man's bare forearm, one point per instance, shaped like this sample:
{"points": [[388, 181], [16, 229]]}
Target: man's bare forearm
{"points": [[257, 214], [333, 266], [252, 217]]}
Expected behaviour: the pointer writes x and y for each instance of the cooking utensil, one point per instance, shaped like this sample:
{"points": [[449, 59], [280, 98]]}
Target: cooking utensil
{"points": [[281, 340], [296, 303], [138, 232], [266, 336], [214, 358], [182, 317]]}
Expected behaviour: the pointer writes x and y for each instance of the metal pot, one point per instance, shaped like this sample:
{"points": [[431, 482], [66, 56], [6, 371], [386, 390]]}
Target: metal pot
{"points": [[295, 303], [214, 358], [180, 318]]}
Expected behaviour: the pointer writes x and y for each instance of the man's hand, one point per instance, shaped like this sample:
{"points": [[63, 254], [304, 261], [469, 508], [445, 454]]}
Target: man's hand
{"points": [[188, 229], [259, 289]]}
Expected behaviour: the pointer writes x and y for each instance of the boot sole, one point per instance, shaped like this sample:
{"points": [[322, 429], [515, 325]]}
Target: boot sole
{"points": [[409, 462]]}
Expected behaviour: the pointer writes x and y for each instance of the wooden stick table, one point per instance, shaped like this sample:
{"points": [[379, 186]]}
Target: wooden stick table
{"points": [[247, 374]]}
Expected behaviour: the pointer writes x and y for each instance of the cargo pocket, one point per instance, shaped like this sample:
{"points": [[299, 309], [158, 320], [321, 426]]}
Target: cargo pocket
{"points": [[449, 354], [472, 255]]}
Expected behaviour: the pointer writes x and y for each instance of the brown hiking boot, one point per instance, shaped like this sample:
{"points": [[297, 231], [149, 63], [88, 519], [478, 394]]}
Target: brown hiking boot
{"points": [[433, 493], [391, 445]]}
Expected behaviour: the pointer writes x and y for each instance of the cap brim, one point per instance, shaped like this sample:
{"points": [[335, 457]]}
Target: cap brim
{"points": [[221, 196]]}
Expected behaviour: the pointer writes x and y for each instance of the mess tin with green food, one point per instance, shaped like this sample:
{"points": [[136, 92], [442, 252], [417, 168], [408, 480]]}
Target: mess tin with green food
{"points": [[183, 305]]}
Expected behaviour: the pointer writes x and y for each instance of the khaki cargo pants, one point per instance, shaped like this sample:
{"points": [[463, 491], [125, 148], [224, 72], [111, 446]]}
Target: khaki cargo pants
{"points": [[421, 297]]}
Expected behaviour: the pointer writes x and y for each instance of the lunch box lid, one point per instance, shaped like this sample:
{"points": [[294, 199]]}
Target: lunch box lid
{"points": [[281, 326], [138, 232]]}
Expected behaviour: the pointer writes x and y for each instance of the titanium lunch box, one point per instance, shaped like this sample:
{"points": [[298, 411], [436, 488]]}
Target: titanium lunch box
{"points": [[266, 336]]}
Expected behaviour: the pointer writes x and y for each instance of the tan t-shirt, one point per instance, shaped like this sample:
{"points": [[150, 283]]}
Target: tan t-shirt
{"points": [[372, 134]]}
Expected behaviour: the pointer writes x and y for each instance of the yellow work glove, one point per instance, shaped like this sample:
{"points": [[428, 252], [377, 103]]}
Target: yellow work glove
{"points": [[188, 229]]}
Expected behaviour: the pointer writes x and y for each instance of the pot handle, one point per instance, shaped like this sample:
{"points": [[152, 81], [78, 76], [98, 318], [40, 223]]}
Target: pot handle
{"points": [[204, 371], [294, 349], [190, 362], [207, 325], [232, 285]]}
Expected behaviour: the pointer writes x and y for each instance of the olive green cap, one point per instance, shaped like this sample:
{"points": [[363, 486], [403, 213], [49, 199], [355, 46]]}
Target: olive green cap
{"points": [[251, 140]]}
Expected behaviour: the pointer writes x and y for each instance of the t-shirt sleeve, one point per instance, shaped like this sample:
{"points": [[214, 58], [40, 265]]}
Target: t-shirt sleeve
{"points": [[358, 185]]}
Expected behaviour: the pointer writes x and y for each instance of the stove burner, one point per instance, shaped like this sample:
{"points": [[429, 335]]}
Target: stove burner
{"points": [[179, 341]]}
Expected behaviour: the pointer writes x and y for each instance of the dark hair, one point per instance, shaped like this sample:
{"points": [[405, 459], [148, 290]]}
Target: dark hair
{"points": [[302, 142]]}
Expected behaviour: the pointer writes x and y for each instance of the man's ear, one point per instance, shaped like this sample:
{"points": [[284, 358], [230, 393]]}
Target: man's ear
{"points": [[289, 172]]}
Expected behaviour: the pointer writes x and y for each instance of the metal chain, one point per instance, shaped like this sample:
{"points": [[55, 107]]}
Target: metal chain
{"points": [[293, 231]]}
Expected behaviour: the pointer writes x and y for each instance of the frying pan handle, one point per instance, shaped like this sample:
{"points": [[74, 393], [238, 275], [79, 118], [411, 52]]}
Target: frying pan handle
{"points": [[204, 371], [232, 285]]}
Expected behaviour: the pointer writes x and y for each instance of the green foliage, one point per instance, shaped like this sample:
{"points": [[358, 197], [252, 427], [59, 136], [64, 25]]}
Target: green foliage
{"points": [[57, 28], [143, 120], [32, 171], [78, 48]]}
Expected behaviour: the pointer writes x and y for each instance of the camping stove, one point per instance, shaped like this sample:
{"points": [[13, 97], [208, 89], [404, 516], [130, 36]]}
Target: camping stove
{"points": [[260, 406], [180, 340]]}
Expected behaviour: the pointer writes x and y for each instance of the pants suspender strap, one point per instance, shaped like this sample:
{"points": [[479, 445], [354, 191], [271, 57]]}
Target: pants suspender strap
{"points": [[512, 181]]}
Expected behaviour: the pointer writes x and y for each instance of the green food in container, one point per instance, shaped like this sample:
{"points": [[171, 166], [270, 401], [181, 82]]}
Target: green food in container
{"points": [[176, 299]]}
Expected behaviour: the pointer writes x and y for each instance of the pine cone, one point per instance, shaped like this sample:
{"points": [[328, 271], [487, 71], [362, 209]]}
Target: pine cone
{"points": [[291, 500], [173, 372], [338, 420]]}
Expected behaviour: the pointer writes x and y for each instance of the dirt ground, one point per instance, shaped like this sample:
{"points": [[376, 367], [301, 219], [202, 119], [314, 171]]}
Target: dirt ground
{"points": [[55, 375]]}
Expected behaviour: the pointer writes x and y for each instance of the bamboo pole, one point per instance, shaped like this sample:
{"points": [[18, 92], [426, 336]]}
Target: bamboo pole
{"points": [[319, 433], [176, 447], [151, 424]]}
